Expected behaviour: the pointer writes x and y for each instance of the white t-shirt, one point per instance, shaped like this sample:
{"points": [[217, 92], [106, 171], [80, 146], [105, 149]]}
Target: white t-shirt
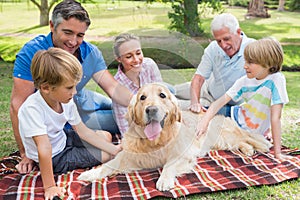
{"points": [[37, 118], [258, 95]]}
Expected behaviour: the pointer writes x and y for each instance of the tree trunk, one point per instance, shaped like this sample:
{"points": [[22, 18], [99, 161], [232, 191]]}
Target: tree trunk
{"points": [[44, 16], [281, 5], [191, 18], [257, 8], [44, 8]]}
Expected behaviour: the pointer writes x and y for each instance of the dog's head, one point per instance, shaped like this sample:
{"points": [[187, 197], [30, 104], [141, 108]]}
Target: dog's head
{"points": [[153, 108]]}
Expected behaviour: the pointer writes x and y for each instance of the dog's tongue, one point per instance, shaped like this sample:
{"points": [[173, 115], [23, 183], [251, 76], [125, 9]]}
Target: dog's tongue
{"points": [[152, 130]]}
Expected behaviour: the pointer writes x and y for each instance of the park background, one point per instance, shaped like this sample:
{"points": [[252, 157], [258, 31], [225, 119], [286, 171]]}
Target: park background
{"points": [[177, 55]]}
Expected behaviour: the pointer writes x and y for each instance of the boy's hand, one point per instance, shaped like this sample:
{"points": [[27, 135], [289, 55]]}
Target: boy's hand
{"points": [[201, 129], [25, 165], [54, 192], [118, 149], [282, 157]]}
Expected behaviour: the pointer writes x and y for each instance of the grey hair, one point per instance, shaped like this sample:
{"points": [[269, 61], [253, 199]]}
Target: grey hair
{"points": [[225, 20], [68, 9], [120, 39]]}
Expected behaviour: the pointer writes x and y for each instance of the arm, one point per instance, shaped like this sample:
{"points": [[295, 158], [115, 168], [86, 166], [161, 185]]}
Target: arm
{"points": [[96, 139], [196, 85], [120, 112], [45, 162], [116, 91], [20, 91], [210, 113], [276, 111]]}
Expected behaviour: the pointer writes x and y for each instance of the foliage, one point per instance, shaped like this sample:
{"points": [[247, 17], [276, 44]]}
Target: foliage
{"points": [[44, 9], [179, 16], [294, 5], [291, 5], [184, 17], [243, 3], [110, 19]]}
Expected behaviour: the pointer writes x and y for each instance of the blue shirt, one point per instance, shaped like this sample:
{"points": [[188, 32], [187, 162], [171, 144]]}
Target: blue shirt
{"points": [[219, 69], [90, 58]]}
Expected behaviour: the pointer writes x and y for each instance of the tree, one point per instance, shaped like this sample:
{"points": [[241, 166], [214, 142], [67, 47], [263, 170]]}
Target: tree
{"points": [[257, 8], [44, 10], [185, 18], [281, 5]]}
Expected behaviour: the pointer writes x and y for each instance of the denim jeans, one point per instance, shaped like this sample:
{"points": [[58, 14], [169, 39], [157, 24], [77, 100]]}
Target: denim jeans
{"points": [[95, 111]]}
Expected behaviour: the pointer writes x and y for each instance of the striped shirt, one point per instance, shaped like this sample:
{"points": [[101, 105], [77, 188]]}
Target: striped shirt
{"points": [[259, 95]]}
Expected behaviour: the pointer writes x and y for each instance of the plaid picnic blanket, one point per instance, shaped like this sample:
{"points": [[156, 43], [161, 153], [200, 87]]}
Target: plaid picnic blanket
{"points": [[219, 170]]}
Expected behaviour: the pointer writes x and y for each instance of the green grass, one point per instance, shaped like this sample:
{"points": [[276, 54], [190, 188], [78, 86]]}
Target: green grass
{"points": [[148, 20], [291, 133]]}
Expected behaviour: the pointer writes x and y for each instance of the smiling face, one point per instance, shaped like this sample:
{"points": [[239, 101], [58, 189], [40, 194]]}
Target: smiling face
{"points": [[69, 34], [229, 42], [131, 56]]}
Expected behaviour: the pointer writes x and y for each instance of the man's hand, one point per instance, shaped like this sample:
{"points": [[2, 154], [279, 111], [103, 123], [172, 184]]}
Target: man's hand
{"points": [[25, 166], [282, 157], [197, 108]]}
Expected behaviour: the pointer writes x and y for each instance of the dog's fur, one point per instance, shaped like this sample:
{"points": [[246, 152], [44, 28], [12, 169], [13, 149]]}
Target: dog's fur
{"points": [[175, 147]]}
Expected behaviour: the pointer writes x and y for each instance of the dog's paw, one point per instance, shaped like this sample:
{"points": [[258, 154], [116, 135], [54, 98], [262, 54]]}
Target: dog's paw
{"points": [[90, 175], [164, 184]]}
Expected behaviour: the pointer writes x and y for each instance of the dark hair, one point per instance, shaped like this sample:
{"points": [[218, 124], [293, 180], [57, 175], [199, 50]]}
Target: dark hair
{"points": [[68, 9]]}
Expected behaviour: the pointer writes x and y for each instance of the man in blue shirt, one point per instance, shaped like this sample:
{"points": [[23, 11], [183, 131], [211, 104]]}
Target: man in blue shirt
{"points": [[68, 26]]}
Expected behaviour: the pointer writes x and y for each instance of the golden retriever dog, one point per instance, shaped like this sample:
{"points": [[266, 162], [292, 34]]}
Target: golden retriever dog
{"points": [[162, 136]]}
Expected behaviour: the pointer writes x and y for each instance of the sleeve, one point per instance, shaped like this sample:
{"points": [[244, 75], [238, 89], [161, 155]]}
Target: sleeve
{"points": [[23, 62], [92, 63], [31, 121], [153, 70], [205, 67], [235, 91], [119, 113], [279, 92], [73, 116]]}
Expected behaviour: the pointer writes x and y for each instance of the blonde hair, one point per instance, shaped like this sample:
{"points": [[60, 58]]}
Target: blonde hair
{"points": [[120, 39], [54, 66], [266, 52]]}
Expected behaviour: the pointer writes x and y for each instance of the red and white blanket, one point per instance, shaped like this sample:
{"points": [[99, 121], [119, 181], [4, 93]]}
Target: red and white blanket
{"points": [[219, 170]]}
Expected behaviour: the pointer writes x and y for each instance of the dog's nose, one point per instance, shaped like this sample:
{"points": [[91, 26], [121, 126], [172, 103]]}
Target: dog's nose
{"points": [[151, 110]]}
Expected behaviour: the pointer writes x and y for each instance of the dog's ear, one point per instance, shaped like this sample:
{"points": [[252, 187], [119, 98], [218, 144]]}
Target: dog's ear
{"points": [[176, 109], [130, 110]]}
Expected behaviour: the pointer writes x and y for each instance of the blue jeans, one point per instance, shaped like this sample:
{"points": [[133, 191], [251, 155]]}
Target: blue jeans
{"points": [[95, 111], [225, 110]]}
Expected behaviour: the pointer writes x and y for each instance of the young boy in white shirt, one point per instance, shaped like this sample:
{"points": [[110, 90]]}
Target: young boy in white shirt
{"points": [[43, 115]]}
